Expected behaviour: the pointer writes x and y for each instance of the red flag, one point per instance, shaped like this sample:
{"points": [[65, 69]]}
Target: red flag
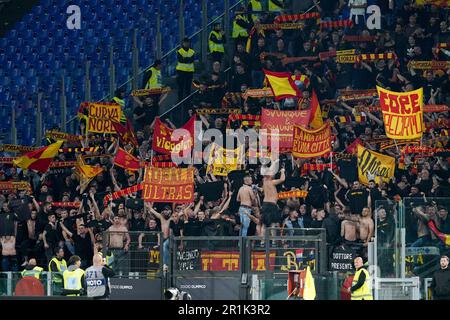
{"points": [[39, 159], [162, 135], [353, 147], [125, 133], [127, 161]]}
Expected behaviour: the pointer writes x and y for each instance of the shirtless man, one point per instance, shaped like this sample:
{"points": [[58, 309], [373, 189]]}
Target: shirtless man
{"points": [[270, 213], [366, 226], [119, 243], [164, 217], [348, 228], [247, 199], [119, 237], [9, 259]]}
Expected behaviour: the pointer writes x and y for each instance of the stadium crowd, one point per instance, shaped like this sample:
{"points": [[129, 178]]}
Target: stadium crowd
{"points": [[239, 204]]}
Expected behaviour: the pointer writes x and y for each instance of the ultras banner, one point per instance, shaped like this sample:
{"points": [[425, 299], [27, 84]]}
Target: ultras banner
{"points": [[372, 164], [168, 185]]}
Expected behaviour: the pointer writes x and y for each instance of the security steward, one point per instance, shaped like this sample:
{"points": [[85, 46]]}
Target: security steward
{"points": [[185, 68], [360, 289], [118, 98], [276, 5], [57, 266], [241, 25], [216, 43], [74, 278], [255, 6], [153, 79], [32, 270]]}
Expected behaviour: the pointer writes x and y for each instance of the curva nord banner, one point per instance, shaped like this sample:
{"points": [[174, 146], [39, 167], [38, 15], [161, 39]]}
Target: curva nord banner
{"points": [[402, 113], [101, 116], [168, 185], [311, 143], [371, 163], [284, 122], [162, 137]]}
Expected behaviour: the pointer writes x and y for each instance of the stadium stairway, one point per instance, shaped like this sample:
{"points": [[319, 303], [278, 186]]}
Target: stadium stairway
{"points": [[39, 50]]}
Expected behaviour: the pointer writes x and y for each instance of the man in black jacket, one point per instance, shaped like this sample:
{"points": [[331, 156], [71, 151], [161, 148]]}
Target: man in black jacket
{"points": [[441, 281]]}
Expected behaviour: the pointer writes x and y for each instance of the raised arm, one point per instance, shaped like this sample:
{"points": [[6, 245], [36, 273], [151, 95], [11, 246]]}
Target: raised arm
{"points": [[281, 179], [63, 227]]}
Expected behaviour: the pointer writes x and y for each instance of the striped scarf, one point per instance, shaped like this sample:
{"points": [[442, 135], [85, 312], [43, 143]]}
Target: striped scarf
{"points": [[292, 194], [257, 93], [429, 108], [336, 24], [15, 185], [204, 111], [121, 193], [58, 164], [249, 119], [318, 166], [376, 56], [419, 149], [163, 157], [348, 119], [64, 204], [147, 92], [296, 17], [390, 144], [71, 150], [352, 38], [163, 164], [56, 135]]}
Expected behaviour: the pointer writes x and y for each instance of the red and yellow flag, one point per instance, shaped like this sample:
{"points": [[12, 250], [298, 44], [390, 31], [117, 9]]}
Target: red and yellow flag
{"points": [[86, 173], [316, 113], [126, 161], [282, 84], [39, 159], [445, 238]]}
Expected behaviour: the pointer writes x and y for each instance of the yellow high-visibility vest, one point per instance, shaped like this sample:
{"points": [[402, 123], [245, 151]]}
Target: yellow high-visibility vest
{"points": [[72, 280], [365, 292], [35, 272], [216, 47], [238, 31], [256, 6], [187, 67], [60, 265], [155, 80], [273, 7]]}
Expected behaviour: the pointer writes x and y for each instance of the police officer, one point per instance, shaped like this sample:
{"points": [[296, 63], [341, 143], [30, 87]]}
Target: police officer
{"points": [[185, 68], [216, 43], [74, 278], [32, 270], [97, 278], [360, 289]]}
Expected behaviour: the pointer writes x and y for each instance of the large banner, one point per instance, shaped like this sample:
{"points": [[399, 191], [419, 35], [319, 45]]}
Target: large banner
{"points": [[402, 113], [162, 137], [222, 161], [284, 121], [168, 185], [311, 143], [371, 163], [101, 115]]}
